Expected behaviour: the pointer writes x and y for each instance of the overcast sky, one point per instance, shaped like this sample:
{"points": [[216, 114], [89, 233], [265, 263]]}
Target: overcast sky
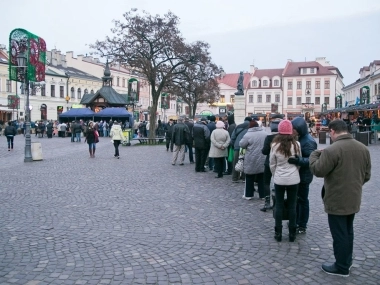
{"points": [[266, 33]]}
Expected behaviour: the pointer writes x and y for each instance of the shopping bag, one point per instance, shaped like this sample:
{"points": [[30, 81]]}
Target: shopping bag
{"points": [[231, 154], [239, 166]]}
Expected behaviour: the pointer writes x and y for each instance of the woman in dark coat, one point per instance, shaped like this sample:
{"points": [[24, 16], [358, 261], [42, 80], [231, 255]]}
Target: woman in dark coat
{"points": [[91, 139], [49, 130]]}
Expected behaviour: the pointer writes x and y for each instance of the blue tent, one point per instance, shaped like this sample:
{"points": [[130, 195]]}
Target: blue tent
{"points": [[78, 113], [115, 113]]}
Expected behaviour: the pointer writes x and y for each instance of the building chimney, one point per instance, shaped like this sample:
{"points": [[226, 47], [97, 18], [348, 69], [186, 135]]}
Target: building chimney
{"points": [[290, 60], [69, 54], [80, 57]]}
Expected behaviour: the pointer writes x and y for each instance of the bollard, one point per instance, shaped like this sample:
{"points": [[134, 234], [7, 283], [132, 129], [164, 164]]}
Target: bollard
{"points": [[322, 137]]}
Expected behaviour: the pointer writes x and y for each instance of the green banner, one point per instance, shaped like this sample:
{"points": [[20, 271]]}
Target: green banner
{"points": [[34, 48]]}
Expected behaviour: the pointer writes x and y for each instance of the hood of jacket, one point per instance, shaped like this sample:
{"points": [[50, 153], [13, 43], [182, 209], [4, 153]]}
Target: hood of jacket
{"points": [[116, 127], [300, 125]]}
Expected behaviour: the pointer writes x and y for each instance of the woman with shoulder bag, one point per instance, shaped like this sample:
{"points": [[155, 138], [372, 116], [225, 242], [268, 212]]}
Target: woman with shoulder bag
{"points": [[117, 136], [91, 139], [285, 175]]}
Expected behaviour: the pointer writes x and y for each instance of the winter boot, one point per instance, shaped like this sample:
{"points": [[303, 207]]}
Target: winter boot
{"points": [[266, 205], [90, 151], [292, 234], [93, 152], [278, 233]]}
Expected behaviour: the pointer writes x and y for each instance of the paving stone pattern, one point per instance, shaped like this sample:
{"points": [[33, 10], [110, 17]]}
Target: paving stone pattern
{"points": [[71, 219]]}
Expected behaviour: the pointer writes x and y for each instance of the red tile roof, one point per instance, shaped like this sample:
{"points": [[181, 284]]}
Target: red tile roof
{"points": [[293, 68], [268, 72], [231, 79]]}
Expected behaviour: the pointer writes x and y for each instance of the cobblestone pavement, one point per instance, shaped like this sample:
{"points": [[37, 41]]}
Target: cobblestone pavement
{"points": [[71, 219]]}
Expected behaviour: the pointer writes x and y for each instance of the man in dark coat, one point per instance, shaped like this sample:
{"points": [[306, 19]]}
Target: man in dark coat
{"points": [[180, 136], [189, 143], [201, 136], [308, 145], [168, 135], [236, 136]]}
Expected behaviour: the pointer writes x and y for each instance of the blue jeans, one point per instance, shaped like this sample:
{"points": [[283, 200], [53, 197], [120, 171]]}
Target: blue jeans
{"points": [[105, 133], [91, 146], [303, 205], [190, 147], [77, 136], [291, 196]]}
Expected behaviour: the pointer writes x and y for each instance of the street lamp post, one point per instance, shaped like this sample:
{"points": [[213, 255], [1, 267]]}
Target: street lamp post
{"points": [[67, 91], [21, 62]]}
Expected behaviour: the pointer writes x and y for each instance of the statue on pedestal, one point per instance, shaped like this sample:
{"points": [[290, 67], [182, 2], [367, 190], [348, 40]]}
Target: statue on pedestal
{"points": [[240, 88]]}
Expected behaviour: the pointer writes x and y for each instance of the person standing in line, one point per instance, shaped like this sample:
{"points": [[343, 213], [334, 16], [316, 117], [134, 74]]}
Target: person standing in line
{"points": [[179, 137], [267, 173], [230, 123], [117, 136], [201, 136], [286, 176], [189, 143], [211, 126], [308, 145], [9, 133], [253, 142], [346, 167], [168, 135], [220, 139], [91, 139]]}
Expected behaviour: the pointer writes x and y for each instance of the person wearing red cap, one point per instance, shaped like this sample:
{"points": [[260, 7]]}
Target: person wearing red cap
{"points": [[285, 176]]}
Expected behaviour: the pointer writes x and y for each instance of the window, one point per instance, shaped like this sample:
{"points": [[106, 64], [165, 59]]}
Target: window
{"points": [[317, 101], [232, 98], [277, 98], [61, 92], [317, 84], [290, 101], [123, 82], [92, 91], [85, 91], [308, 84], [265, 83], [327, 84], [267, 98], [250, 99], [375, 89], [79, 92], [299, 100], [290, 85], [43, 90], [9, 86], [72, 93], [254, 83], [299, 84], [222, 99], [327, 100], [117, 81], [276, 82], [312, 70], [304, 70], [52, 90], [259, 98], [308, 99]]}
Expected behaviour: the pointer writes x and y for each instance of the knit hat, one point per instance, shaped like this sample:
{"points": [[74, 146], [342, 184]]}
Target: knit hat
{"points": [[220, 125], [285, 127]]}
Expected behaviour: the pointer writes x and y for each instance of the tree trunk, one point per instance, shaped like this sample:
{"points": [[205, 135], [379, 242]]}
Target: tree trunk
{"points": [[153, 116], [194, 109]]}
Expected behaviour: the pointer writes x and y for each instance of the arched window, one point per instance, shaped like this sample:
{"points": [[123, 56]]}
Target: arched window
{"points": [[92, 91], [85, 91], [254, 83], [265, 83], [72, 93], [79, 93]]}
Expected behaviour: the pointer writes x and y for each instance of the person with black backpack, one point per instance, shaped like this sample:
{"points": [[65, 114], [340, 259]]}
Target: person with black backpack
{"points": [[10, 132]]}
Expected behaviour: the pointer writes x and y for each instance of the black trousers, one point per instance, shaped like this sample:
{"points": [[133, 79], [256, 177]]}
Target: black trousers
{"points": [[342, 232], [116, 144], [169, 143], [200, 158], [267, 178], [219, 161]]}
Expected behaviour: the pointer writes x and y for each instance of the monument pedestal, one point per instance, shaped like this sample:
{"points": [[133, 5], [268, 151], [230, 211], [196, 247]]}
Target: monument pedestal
{"points": [[239, 109]]}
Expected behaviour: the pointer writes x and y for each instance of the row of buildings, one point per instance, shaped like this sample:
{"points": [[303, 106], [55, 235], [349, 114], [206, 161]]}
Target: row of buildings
{"points": [[299, 88]]}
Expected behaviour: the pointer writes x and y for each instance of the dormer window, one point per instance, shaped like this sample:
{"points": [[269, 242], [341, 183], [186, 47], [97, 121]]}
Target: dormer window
{"points": [[304, 70], [276, 82], [265, 83], [254, 83], [312, 70]]}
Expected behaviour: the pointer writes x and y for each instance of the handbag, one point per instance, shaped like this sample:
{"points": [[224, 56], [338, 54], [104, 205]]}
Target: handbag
{"points": [[96, 134], [231, 154], [239, 166]]}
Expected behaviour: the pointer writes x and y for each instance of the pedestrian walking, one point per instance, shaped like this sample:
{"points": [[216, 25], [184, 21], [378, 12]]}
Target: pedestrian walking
{"points": [[117, 136], [220, 140], [9, 133], [189, 143], [91, 139], [168, 135], [345, 166], [286, 177]]}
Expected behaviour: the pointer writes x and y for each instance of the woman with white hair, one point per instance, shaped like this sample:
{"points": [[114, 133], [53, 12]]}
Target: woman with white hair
{"points": [[220, 140]]}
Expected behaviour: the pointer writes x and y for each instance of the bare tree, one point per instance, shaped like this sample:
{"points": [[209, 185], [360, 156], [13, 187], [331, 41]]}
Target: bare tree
{"points": [[154, 46], [198, 84]]}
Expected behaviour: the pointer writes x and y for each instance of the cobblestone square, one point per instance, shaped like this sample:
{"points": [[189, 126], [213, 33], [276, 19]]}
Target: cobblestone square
{"points": [[72, 219]]}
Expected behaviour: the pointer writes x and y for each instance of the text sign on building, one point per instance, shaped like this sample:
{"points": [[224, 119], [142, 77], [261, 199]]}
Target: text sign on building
{"points": [[307, 105]]}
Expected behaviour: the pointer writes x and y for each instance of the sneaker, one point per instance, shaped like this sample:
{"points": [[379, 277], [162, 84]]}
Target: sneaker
{"points": [[333, 270], [118, 157], [247, 198], [301, 230]]}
